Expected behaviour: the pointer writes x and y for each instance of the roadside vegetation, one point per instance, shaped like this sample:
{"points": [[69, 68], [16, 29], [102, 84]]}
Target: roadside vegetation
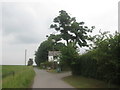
{"points": [[83, 82], [17, 76], [0, 76], [101, 61]]}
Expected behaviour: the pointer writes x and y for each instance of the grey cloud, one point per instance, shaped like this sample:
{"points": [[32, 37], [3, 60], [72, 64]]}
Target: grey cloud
{"points": [[27, 38], [19, 22], [25, 25], [16, 19]]}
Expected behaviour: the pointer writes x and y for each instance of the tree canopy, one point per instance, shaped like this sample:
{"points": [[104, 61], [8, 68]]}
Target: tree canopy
{"points": [[103, 60], [30, 62], [41, 54], [71, 30]]}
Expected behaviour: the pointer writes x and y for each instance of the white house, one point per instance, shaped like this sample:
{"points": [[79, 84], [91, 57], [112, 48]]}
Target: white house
{"points": [[53, 56]]}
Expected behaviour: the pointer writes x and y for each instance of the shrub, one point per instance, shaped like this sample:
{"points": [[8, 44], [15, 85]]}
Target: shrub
{"points": [[102, 62], [69, 56]]}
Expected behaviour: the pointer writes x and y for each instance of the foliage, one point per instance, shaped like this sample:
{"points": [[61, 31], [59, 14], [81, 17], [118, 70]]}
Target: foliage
{"points": [[30, 62], [55, 37], [22, 78], [47, 64], [74, 33], [55, 42], [41, 54], [71, 30], [68, 55], [84, 82], [103, 61]]}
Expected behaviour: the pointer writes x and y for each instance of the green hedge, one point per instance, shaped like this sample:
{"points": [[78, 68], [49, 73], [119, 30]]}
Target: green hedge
{"points": [[102, 62]]}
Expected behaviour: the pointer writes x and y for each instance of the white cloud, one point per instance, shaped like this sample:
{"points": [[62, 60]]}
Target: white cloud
{"points": [[0, 35], [26, 24]]}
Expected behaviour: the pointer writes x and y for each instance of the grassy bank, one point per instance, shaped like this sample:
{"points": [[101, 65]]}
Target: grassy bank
{"points": [[17, 76], [0, 76], [83, 82]]}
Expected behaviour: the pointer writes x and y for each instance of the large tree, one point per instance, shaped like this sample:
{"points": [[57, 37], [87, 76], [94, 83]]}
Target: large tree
{"points": [[41, 54], [71, 30]]}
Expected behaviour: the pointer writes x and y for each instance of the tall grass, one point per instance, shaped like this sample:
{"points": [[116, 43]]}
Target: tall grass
{"points": [[84, 82], [22, 77], [0, 76], [6, 69]]}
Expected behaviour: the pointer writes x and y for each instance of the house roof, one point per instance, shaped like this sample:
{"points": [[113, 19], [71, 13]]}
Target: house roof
{"points": [[54, 53]]}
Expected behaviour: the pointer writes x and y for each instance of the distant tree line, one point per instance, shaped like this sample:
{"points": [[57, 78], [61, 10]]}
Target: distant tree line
{"points": [[30, 62]]}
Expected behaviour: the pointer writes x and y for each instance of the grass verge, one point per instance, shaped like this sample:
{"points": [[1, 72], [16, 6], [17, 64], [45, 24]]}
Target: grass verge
{"points": [[22, 78], [83, 82]]}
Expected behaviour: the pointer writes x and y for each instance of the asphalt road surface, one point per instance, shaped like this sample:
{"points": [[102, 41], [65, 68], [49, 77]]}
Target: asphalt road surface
{"points": [[44, 79]]}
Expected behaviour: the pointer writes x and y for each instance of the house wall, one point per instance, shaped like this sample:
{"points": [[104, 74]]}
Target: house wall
{"points": [[50, 58]]}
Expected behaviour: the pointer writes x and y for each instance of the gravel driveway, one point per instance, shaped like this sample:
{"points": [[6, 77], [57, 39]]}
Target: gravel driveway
{"points": [[44, 79]]}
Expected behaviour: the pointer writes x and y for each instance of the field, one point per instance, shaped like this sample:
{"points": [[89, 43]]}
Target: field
{"points": [[17, 76], [83, 82], [0, 76]]}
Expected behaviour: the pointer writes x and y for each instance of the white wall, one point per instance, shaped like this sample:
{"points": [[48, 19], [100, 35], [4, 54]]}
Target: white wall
{"points": [[50, 58]]}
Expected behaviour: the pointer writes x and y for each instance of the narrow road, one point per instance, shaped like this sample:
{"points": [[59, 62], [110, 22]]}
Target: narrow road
{"points": [[44, 79]]}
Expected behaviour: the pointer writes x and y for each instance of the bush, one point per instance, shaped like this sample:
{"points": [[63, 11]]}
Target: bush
{"points": [[47, 64], [102, 62], [69, 56]]}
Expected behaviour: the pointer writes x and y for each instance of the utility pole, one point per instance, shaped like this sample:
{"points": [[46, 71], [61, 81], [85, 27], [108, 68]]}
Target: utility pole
{"points": [[25, 55], [118, 16]]}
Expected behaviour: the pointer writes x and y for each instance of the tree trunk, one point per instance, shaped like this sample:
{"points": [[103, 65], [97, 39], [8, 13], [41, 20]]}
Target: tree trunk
{"points": [[67, 42]]}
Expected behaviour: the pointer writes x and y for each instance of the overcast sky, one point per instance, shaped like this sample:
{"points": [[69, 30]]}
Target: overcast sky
{"points": [[25, 24]]}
